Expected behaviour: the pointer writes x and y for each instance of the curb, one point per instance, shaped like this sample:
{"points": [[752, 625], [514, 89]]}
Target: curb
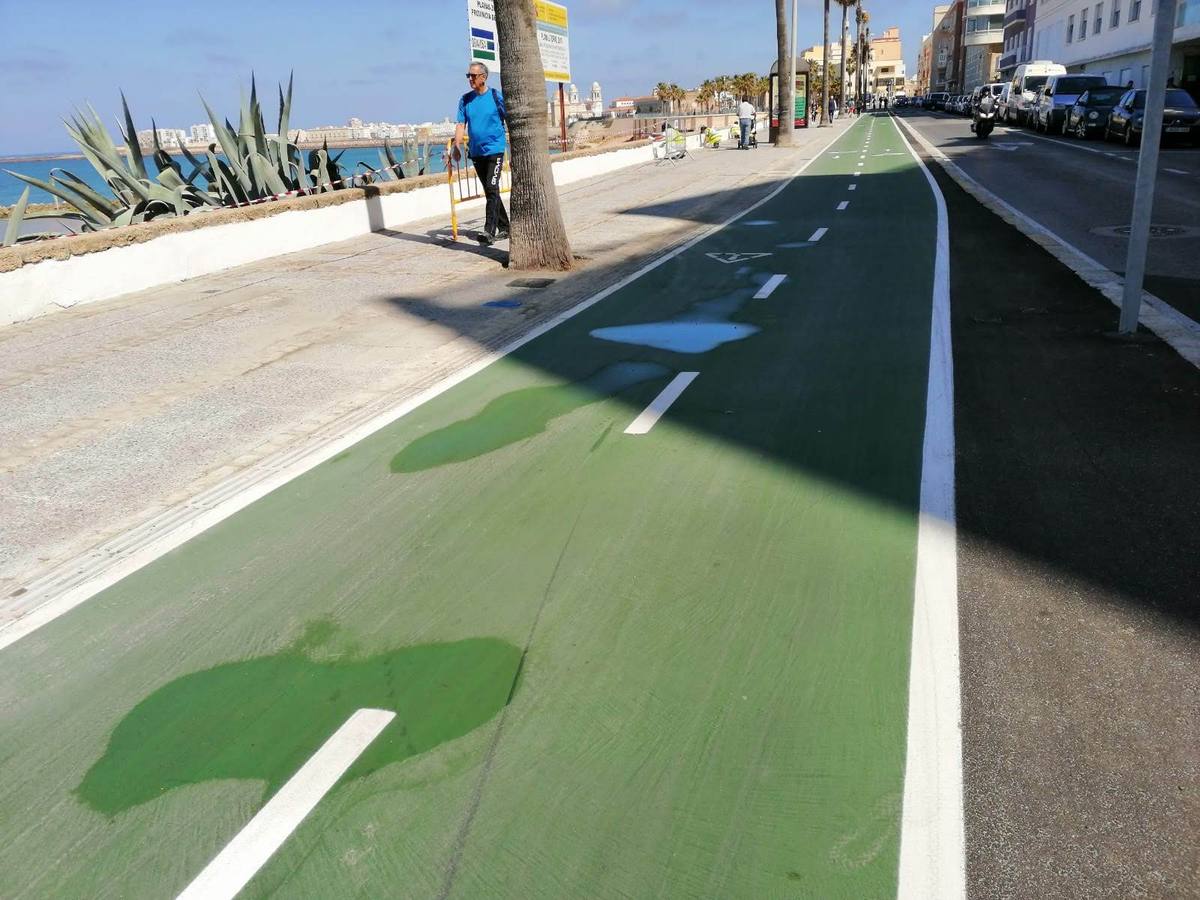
{"points": [[1180, 332]]}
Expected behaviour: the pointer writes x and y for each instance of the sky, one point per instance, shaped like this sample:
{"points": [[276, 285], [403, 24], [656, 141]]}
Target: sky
{"points": [[379, 60]]}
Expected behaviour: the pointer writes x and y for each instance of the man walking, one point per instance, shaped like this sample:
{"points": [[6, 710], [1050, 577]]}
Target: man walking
{"points": [[746, 121], [481, 114]]}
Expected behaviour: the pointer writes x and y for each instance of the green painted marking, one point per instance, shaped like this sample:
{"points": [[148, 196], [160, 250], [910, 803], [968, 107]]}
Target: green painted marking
{"points": [[263, 718], [518, 415]]}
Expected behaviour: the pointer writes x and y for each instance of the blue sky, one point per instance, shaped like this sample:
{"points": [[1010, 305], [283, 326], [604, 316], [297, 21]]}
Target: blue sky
{"points": [[393, 60]]}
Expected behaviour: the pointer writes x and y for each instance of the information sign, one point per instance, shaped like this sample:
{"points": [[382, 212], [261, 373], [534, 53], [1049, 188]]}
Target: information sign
{"points": [[484, 43], [553, 41]]}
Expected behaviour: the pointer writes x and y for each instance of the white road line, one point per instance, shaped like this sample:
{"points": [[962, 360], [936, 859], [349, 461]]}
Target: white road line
{"points": [[843, 205], [932, 844], [853, 187], [82, 577], [769, 287], [817, 235], [661, 403], [1177, 171], [242, 857]]}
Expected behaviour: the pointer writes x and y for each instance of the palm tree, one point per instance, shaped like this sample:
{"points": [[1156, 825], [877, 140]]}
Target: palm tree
{"points": [[762, 90], [678, 95], [705, 94], [538, 235], [662, 91], [787, 86], [825, 70], [844, 37]]}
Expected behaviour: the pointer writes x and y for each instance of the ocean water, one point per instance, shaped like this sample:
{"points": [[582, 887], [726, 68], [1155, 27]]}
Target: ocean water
{"points": [[11, 188]]}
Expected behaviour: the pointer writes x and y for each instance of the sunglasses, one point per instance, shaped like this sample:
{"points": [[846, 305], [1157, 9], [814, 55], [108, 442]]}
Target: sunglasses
{"points": [[474, 75]]}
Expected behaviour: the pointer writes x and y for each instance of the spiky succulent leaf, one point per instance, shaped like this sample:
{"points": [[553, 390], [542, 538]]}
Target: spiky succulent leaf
{"points": [[136, 163], [85, 190], [15, 217], [89, 212]]}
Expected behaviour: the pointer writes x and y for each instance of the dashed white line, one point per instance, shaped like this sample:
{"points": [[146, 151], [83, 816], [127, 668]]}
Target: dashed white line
{"points": [[769, 286], [853, 187], [843, 205], [661, 403], [242, 857], [817, 235]]}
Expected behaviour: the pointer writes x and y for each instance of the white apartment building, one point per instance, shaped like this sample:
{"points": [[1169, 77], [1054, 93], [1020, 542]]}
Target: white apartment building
{"points": [[983, 41], [1112, 38], [203, 133]]}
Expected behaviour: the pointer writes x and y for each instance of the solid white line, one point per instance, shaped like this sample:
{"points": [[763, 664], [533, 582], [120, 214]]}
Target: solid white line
{"points": [[661, 403], [817, 235], [769, 286], [853, 187], [82, 577], [932, 844], [1177, 171], [242, 857], [843, 205]]}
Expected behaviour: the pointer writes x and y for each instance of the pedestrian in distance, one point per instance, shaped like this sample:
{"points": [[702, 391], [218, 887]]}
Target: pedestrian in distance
{"points": [[832, 109], [480, 125], [746, 122]]}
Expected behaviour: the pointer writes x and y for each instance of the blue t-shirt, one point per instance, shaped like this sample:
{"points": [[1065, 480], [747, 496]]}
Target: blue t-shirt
{"points": [[484, 115]]}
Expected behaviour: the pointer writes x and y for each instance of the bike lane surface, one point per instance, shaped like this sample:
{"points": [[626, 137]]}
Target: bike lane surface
{"points": [[667, 663]]}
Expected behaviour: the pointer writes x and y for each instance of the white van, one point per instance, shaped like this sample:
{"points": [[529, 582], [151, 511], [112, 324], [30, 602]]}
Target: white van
{"points": [[1025, 82]]}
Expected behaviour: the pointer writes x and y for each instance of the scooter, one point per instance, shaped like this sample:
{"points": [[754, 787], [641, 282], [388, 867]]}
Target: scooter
{"points": [[983, 118]]}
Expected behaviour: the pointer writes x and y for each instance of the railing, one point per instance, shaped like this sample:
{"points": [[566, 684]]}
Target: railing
{"points": [[651, 126], [465, 184]]}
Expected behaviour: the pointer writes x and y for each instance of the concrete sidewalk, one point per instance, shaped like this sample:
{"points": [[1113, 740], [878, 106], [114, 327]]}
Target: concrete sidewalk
{"points": [[119, 411]]}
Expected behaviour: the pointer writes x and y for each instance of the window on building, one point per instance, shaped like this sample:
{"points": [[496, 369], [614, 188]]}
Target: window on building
{"points": [[1070, 29], [1083, 23], [1115, 19], [1099, 23], [1135, 10]]}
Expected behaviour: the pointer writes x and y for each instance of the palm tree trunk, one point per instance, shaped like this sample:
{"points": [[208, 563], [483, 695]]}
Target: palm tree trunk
{"points": [[858, 72], [538, 235], [842, 36], [787, 88], [825, 71]]}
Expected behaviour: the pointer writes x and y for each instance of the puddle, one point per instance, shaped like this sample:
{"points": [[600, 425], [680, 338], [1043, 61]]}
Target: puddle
{"points": [[503, 304], [262, 719], [704, 327], [758, 223], [519, 415]]}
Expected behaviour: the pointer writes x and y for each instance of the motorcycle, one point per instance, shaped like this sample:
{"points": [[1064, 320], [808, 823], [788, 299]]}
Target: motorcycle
{"points": [[983, 117]]}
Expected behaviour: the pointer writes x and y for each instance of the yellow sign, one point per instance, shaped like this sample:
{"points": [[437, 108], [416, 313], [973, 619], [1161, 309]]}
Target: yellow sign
{"points": [[551, 14], [553, 40]]}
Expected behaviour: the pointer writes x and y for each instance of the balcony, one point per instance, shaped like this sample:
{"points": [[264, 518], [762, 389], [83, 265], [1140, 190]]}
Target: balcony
{"points": [[1016, 16]]}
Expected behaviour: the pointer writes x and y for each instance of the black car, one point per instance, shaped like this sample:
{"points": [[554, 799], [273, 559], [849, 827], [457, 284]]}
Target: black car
{"points": [[1181, 117], [1089, 115]]}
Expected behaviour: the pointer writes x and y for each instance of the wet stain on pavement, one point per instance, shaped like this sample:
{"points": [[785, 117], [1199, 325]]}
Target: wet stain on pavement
{"points": [[263, 718], [519, 415], [705, 326]]}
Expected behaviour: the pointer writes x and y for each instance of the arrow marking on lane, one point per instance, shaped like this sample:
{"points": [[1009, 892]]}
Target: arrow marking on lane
{"points": [[661, 403], [242, 857], [769, 287], [730, 258]]}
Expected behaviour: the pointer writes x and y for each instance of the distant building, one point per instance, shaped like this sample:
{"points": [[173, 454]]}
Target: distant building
{"points": [[887, 75], [622, 107], [203, 133], [577, 108]]}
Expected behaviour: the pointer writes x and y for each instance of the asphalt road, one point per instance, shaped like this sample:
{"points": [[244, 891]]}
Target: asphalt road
{"points": [[1081, 190]]}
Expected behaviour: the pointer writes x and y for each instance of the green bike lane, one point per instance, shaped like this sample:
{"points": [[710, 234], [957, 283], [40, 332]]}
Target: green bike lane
{"points": [[664, 664]]}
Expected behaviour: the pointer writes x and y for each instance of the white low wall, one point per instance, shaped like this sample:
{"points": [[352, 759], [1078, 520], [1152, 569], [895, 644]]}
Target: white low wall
{"points": [[39, 288]]}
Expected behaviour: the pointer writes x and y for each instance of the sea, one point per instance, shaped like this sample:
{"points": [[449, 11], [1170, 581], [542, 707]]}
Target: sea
{"points": [[11, 188]]}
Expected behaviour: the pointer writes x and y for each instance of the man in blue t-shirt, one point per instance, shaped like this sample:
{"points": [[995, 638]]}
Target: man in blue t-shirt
{"points": [[481, 114]]}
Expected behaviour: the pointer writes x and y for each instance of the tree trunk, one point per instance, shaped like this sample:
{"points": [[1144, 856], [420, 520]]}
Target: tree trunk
{"points": [[843, 36], [858, 73], [825, 71], [537, 234], [787, 87]]}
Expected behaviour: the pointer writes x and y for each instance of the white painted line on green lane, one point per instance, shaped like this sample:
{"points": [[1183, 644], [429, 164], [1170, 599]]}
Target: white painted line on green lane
{"points": [[768, 288], [817, 235], [660, 404], [933, 862], [853, 187], [843, 205], [82, 577], [242, 857]]}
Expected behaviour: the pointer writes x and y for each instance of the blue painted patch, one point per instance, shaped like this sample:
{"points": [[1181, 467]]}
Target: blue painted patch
{"points": [[503, 304], [680, 337]]}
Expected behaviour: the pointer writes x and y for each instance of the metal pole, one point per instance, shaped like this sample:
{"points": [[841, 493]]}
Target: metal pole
{"points": [[562, 117], [792, 68], [1147, 171]]}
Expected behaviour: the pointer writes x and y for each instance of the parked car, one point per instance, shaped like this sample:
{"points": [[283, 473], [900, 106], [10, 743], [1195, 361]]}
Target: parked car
{"points": [[1088, 116], [962, 104], [1059, 95], [1027, 79], [1181, 117], [938, 100], [1033, 107]]}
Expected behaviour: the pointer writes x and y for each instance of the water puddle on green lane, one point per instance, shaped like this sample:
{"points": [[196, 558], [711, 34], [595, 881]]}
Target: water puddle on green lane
{"points": [[705, 326], [264, 718], [519, 415]]}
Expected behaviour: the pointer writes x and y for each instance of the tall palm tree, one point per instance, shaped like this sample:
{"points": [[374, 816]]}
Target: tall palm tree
{"points": [[787, 87], [662, 91], [825, 70], [705, 94], [538, 235], [843, 40], [678, 95]]}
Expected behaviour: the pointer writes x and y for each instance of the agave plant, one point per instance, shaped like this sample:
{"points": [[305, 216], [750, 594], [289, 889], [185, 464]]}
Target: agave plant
{"points": [[252, 164], [415, 155]]}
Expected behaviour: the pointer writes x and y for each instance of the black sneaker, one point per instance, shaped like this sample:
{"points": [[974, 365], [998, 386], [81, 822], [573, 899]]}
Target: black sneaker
{"points": [[502, 234], [485, 239]]}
